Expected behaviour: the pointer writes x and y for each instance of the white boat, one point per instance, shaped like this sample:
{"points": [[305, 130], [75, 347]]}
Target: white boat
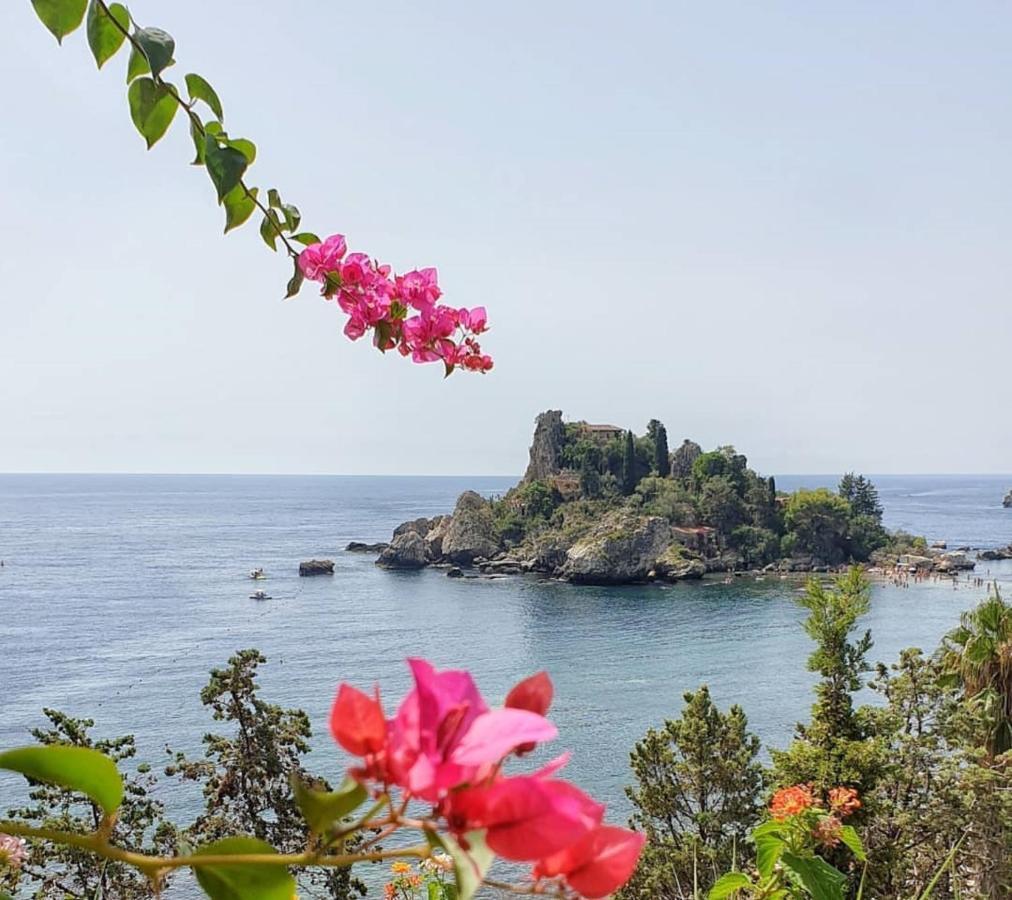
{"points": [[257, 574], [260, 595]]}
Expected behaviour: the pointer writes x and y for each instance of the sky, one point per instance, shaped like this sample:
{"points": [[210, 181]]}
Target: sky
{"points": [[783, 226]]}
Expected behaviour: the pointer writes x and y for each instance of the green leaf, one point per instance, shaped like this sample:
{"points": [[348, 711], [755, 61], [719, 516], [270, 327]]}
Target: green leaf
{"points": [[198, 144], [295, 282], [246, 148], [157, 46], [75, 768], [60, 16], [274, 199], [728, 884], [851, 838], [768, 847], [225, 165], [199, 89], [137, 65], [321, 809], [292, 216], [469, 865], [270, 227], [820, 879], [240, 881], [152, 108], [239, 205], [104, 37], [306, 238]]}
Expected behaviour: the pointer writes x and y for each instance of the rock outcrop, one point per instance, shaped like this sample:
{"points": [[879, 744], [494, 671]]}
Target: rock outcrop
{"points": [[1007, 500], [1000, 553], [316, 567], [674, 564], [683, 458], [360, 547], [470, 533], [624, 547], [408, 550], [546, 446]]}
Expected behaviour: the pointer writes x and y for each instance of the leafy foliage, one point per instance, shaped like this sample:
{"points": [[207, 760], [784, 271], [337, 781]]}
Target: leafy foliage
{"points": [[247, 774], [697, 793], [54, 872]]}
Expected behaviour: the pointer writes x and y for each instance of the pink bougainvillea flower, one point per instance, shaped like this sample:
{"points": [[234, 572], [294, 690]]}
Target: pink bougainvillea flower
{"points": [[534, 694], [419, 288], [596, 864], [319, 259], [444, 734], [525, 817], [357, 722], [473, 320]]}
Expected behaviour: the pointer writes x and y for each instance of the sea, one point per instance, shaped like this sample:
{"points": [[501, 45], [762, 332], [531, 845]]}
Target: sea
{"points": [[119, 593]]}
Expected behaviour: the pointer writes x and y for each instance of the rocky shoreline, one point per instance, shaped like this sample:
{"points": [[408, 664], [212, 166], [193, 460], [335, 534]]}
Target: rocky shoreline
{"points": [[622, 548], [599, 506]]}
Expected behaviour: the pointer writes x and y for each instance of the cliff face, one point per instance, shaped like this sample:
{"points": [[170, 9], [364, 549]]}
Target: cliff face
{"points": [[546, 447]]}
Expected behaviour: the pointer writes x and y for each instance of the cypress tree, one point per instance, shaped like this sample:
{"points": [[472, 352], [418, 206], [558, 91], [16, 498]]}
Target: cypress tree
{"points": [[628, 464], [662, 461]]}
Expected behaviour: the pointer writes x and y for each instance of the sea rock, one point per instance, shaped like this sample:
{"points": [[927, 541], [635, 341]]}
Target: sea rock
{"points": [[504, 566], [622, 548], [954, 562], [454, 572], [939, 545], [316, 567], [1007, 500], [913, 561], [471, 531], [434, 536], [421, 526], [1000, 553], [675, 565], [360, 547], [546, 446], [408, 550]]}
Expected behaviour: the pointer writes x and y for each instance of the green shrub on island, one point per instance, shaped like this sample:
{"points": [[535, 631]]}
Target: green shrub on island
{"points": [[714, 503]]}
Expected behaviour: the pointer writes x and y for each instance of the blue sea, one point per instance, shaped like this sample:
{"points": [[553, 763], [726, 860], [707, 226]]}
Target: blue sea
{"points": [[120, 592]]}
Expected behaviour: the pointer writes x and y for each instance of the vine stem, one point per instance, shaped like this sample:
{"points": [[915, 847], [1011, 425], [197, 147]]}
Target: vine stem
{"points": [[198, 125], [155, 864]]}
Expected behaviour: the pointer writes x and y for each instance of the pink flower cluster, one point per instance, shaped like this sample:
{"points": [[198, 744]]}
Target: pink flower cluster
{"points": [[402, 310], [446, 747]]}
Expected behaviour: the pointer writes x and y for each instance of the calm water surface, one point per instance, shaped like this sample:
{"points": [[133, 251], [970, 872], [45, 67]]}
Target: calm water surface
{"points": [[120, 592]]}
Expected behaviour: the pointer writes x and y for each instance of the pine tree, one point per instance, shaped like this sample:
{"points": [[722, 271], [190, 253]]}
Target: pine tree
{"points": [[697, 793], [833, 748]]}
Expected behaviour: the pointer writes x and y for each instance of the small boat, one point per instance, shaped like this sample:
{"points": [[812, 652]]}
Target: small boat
{"points": [[257, 574], [260, 595]]}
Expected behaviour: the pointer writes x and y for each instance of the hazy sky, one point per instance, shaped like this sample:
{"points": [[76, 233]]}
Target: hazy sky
{"points": [[780, 225]]}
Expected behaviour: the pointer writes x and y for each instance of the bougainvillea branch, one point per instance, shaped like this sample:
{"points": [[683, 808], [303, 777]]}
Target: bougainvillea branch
{"points": [[400, 312], [436, 767]]}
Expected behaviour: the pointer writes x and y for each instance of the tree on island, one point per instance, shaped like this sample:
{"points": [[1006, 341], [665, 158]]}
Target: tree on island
{"points": [[658, 435], [629, 466], [862, 496]]}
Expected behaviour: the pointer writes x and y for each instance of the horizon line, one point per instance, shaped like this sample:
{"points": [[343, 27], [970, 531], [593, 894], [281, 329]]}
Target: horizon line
{"points": [[262, 474]]}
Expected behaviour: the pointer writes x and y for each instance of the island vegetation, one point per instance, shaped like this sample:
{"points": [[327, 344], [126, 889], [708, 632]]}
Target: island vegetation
{"points": [[600, 504]]}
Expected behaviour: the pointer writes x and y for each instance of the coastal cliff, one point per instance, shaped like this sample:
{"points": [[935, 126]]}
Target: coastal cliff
{"points": [[601, 505]]}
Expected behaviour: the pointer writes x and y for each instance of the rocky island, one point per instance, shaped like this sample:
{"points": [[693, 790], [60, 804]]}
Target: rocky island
{"points": [[601, 505]]}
